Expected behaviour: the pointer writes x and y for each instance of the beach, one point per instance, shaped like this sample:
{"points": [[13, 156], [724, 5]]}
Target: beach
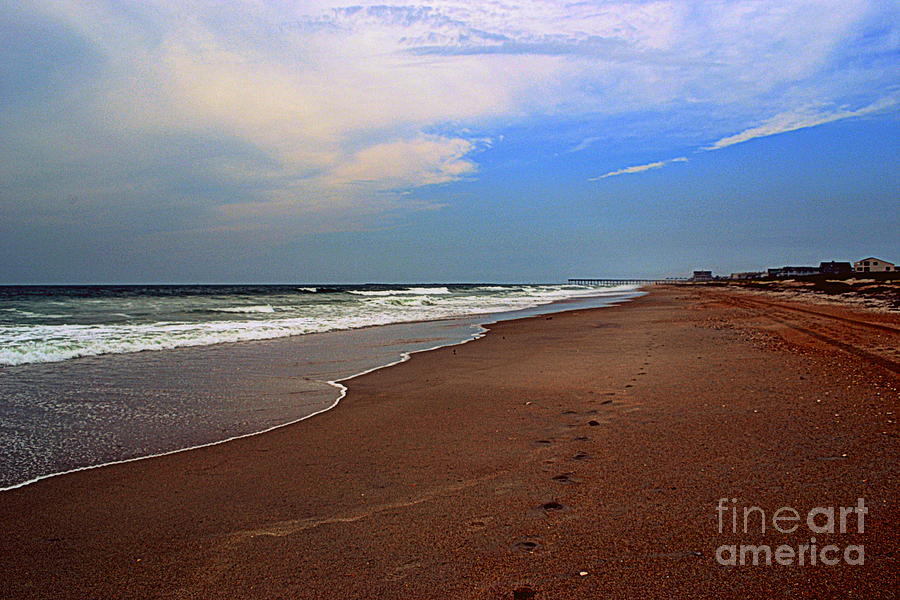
{"points": [[581, 454]]}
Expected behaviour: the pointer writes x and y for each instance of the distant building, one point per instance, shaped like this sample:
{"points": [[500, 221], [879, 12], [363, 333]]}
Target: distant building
{"points": [[835, 268], [748, 275], [702, 276], [793, 271], [873, 265]]}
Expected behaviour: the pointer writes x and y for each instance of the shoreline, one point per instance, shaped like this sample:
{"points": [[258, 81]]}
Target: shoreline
{"points": [[337, 383], [477, 322], [587, 441]]}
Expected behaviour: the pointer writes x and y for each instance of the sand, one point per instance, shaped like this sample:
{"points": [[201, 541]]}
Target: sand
{"points": [[575, 456]]}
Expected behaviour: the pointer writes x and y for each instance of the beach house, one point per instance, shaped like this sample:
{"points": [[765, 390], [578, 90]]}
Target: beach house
{"points": [[873, 265], [835, 268], [792, 271]]}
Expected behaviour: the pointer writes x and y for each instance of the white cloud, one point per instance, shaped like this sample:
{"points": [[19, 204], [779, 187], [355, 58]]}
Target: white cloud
{"points": [[799, 119], [584, 144], [424, 160], [639, 168], [334, 105]]}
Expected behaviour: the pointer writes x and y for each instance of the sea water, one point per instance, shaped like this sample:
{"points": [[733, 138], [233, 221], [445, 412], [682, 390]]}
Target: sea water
{"points": [[96, 374]]}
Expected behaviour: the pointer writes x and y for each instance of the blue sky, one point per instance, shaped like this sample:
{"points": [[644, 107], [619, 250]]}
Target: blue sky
{"points": [[462, 140]]}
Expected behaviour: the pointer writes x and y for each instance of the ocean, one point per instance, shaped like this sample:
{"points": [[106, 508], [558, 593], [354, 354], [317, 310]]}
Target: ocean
{"points": [[91, 375]]}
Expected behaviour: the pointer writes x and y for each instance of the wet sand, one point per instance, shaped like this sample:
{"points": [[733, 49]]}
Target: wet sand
{"points": [[593, 441]]}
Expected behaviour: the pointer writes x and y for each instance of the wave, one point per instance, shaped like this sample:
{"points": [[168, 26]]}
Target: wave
{"points": [[23, 343], [404, 292], [262, 308], [401, 301], [54, 343], [308, 290], [25, 313], [35, 315]]}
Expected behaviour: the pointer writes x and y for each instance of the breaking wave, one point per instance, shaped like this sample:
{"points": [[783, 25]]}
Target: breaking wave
{"points": [[263, 308], [93, 326]]}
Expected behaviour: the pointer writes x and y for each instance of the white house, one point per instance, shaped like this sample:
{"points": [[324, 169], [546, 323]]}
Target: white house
{"points": [[873, 265]]}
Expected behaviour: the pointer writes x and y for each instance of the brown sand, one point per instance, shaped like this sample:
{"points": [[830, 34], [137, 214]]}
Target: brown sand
{"points": [[867, 291], [594, 441]]}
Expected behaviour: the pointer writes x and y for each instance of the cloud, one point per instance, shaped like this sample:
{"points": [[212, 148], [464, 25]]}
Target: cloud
{"points": [[800, 119], [640, 168], [424, 160], [584, 144], [335, 111], [780, 123]]}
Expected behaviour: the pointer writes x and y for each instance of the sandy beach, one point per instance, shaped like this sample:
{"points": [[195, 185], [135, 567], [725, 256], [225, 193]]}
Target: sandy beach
{"points": [[578, 455]]}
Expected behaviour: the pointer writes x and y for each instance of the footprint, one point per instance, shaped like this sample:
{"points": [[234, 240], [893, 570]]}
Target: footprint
{"points": [[593, 423], [528, 546], [581, 456], [552, 506], [524, 593], [563, 478], [478, 524]]}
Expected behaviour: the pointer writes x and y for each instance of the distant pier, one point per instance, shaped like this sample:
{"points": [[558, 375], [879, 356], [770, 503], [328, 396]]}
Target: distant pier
{"points": [[623, 281]]}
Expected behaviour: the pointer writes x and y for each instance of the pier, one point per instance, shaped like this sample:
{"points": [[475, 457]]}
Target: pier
{"points": [[624, 281]]}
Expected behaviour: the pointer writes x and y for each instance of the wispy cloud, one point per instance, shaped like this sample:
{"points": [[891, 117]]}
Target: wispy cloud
{"points": [[800, 119], [584, 144], [640, 168]]}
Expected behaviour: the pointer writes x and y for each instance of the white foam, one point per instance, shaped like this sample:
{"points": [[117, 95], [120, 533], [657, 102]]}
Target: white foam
{"points": [[263, 308], [433, 290], [404, 292]]}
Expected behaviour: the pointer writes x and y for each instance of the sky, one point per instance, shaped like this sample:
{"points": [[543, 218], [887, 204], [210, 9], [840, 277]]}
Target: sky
{"points": [[459, 140]]}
